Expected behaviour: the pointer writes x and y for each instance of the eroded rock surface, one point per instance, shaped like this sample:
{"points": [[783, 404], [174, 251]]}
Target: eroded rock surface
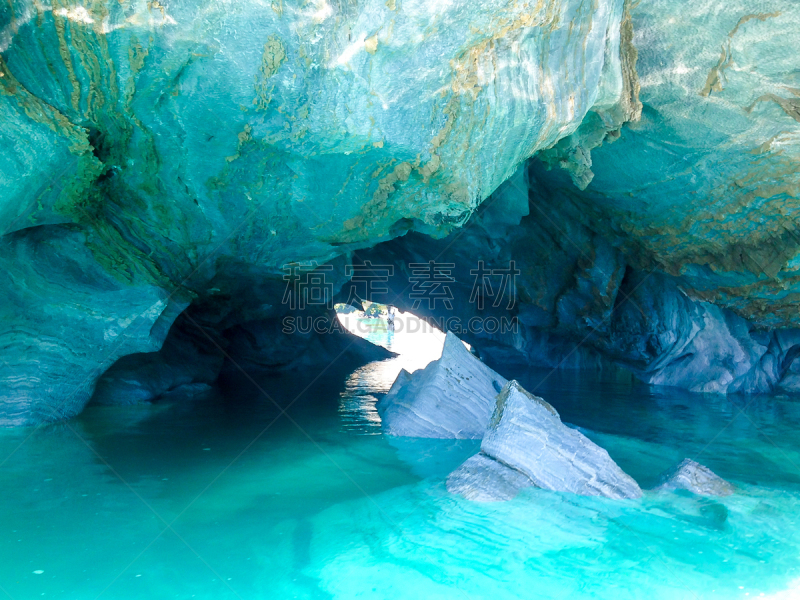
{"points": [[581, 302], [65, 320], [526, 435], [705, 185], [187, 360], [694, 477], [453, 397], [203, 146], [193, 150]]}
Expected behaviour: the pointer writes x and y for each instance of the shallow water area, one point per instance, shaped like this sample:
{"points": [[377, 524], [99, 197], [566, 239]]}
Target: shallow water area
{"points": [[270, 490]]}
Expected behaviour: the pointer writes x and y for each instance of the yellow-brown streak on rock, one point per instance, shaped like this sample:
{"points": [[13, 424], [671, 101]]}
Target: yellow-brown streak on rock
{"points": [[757, 309], [136, 57], [73, 199], [81, 38], [371, 44], [39, 111], [714, 79], [66, 57], [759, 16], [465, 79], [429, 168], [791, 106], [767, 146], [758, 184], [353, 228], [243, 138], [273, 57], [628, 57], [105, 54]]}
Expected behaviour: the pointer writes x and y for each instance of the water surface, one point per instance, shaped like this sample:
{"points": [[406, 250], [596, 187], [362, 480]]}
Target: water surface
{"points": [[225, 495]]}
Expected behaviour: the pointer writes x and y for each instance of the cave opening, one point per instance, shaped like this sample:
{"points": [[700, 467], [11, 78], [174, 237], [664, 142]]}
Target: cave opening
{"points": [[402, 332], [582, 215]]}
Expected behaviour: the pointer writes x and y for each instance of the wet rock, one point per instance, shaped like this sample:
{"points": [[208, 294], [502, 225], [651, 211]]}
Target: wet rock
{"points": [[692, 476], [65, 320], [452, 397], [188, 361], [204, 155], [483, 479], [526, 435]]}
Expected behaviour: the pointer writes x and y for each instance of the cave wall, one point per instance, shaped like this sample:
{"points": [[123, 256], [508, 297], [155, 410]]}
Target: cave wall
{"points": [[580, 300], [706, 185], [196, 148], [159, 156]]}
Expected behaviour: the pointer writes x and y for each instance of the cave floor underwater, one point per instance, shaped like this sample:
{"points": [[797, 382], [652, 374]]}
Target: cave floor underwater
{"points": [[223, 495]]}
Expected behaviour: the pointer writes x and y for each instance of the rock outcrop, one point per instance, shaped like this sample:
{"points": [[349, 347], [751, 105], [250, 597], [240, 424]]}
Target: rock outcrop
{"points": [[453, 397], [705, 185], [187, 360], [694, 477], [190, 152], [198, 148], [64, 320], [579, 302], [526, 436], [673, 250]]}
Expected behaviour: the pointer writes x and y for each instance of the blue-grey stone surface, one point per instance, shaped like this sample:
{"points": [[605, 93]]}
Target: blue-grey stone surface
{"points": [[198, 147], [179, 154], [705, 185], [483, 479], [64, 320], [527, 435], [453, 397]]}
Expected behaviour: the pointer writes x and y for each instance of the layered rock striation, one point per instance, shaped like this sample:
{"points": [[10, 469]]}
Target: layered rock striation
{"points": [[193, 150], [527, 444], [156, 156], [453, 397]]}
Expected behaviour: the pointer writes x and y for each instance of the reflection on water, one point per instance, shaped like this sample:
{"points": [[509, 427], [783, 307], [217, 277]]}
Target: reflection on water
{"points": [[362, 390], [416, 342], [314, 503]]}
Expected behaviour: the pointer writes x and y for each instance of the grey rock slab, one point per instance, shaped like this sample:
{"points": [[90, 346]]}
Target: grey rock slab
{"points": [[527, 435], [452, 397]]}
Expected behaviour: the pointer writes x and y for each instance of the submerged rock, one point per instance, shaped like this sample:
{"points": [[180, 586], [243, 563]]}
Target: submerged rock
{"points": [[692, 476], [526, 435], [452, 397], [483, 479]]}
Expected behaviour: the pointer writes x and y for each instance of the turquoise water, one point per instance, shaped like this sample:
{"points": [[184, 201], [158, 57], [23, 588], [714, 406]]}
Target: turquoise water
{"points": [[223, 496]]}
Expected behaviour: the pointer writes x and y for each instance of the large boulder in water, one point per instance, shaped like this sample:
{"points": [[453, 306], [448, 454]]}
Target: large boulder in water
{"points": [[526, 435], [452, 397], [698, 479]]}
